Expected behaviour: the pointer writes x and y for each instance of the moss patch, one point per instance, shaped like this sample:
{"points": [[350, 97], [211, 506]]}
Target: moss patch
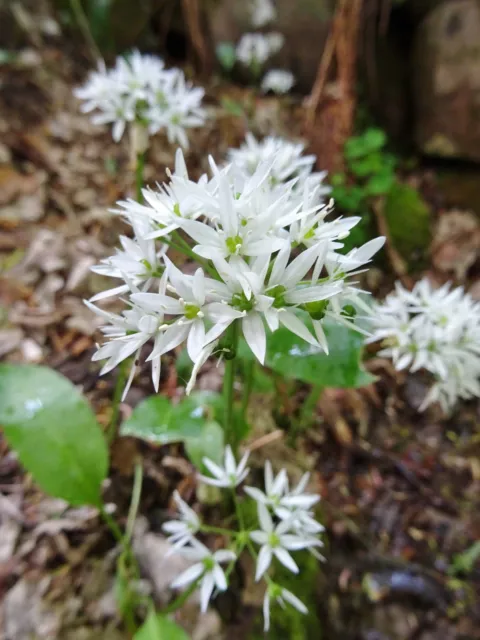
{"points": [[408, 219]]}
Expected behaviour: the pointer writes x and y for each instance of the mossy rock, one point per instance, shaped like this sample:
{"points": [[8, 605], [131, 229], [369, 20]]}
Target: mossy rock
{"points": [[408, 219]]}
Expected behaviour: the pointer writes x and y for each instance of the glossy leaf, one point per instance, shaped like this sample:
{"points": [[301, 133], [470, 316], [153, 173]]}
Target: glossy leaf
{"points": [[54, 431], [292, 357], [158, 627], [192, 421]]}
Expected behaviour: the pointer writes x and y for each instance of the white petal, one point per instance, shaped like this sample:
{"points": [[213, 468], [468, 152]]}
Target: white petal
{"points": [[294, 601], [206, 589], [295, 325], [188, 576], [286, 559], [263, 562], [266, 611], [196, 339], [265, 518], [254, 332]]}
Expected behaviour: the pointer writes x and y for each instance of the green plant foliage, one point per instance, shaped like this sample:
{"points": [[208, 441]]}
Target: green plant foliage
{"points": [[292, 357], [464, 563], [226, 55], [408, 219], [370, 174], [158, 627], [54, 432], [191, 421]]}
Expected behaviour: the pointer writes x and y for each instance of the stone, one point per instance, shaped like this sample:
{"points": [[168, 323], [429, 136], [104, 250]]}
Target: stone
{"points": [[446, 68], [304, 24]]}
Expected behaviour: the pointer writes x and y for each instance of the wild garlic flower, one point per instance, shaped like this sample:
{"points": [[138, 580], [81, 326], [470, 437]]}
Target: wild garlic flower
{"points": [[206, 569], [254, 49], [267, 257], [279, 534], [280, 595], [276, 541], [139, 91], [263, 12], [230, 475], [287, 160], [182, 531], [278, 80], [437, 330]]}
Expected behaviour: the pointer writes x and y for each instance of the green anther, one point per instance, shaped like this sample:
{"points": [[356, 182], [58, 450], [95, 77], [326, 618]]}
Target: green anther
{"points": [[278, 293], [349, 311], [191, 311], [238, 195], [176, 209], [233, 243], [310, 234], [209, 563], [317, 310], [244, 222], [241, 302], [176, 119], [130, 332]]}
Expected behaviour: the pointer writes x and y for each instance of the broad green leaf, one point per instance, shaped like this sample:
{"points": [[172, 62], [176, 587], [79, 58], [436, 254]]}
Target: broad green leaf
{"points": [[192, 421], [380, 184], [158, 627], [292, 357], [374, 139], [54, 432]]}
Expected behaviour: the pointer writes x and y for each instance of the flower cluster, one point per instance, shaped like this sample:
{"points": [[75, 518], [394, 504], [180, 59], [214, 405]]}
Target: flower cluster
{"points": [[254, 49], [267, 257], [140, 91], [437, 330], [286, 523]]}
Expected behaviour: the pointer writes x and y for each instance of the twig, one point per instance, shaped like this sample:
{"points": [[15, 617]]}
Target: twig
{"points": [[266, 439]]}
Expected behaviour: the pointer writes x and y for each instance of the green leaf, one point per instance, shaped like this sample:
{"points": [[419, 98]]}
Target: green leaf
{"points": [[226, 55], [192, 421], [54, 432], [374, 139], [292, 357], [158, 627], [380, 184]]}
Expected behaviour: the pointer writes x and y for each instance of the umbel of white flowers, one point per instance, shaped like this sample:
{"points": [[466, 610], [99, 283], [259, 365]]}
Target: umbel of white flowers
{"points": [[267, 257], [140, 92], [437, 330], [286, 524]]}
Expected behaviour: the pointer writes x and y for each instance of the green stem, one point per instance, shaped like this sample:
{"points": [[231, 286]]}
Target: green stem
{"points": [[223, 532], [139, 168], [228, 384], [182, 245], [117, 398], [248, 386], [307, 413], [136, 493], [84, 27], [182, 598], [112, 525]]}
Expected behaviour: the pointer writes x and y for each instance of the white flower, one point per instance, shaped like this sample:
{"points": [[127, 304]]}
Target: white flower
{"points": [[280, 595], [276, 541], [433, 329], [263, 12], [138, 90], [278, 81], [287, 159], [182, 531], [206, 570], [231, 474], [254, 49]]}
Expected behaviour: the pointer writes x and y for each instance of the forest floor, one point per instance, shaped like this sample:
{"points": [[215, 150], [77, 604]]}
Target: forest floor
{"points": [[400, 490]]}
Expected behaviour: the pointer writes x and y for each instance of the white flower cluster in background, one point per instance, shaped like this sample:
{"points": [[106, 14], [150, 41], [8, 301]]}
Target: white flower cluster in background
{"points": [[437, 330], [262, 12], [254, 49], [278, 80], [138, 89], [267, 254], [286, 523], [289, 162]]}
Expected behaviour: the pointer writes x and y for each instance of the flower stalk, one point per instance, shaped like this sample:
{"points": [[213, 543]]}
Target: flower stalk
{"points": [[229, 384]]}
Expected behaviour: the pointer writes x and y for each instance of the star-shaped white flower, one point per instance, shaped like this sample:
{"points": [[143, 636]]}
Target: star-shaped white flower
{"points": [[182, 531], [231, 474]]}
